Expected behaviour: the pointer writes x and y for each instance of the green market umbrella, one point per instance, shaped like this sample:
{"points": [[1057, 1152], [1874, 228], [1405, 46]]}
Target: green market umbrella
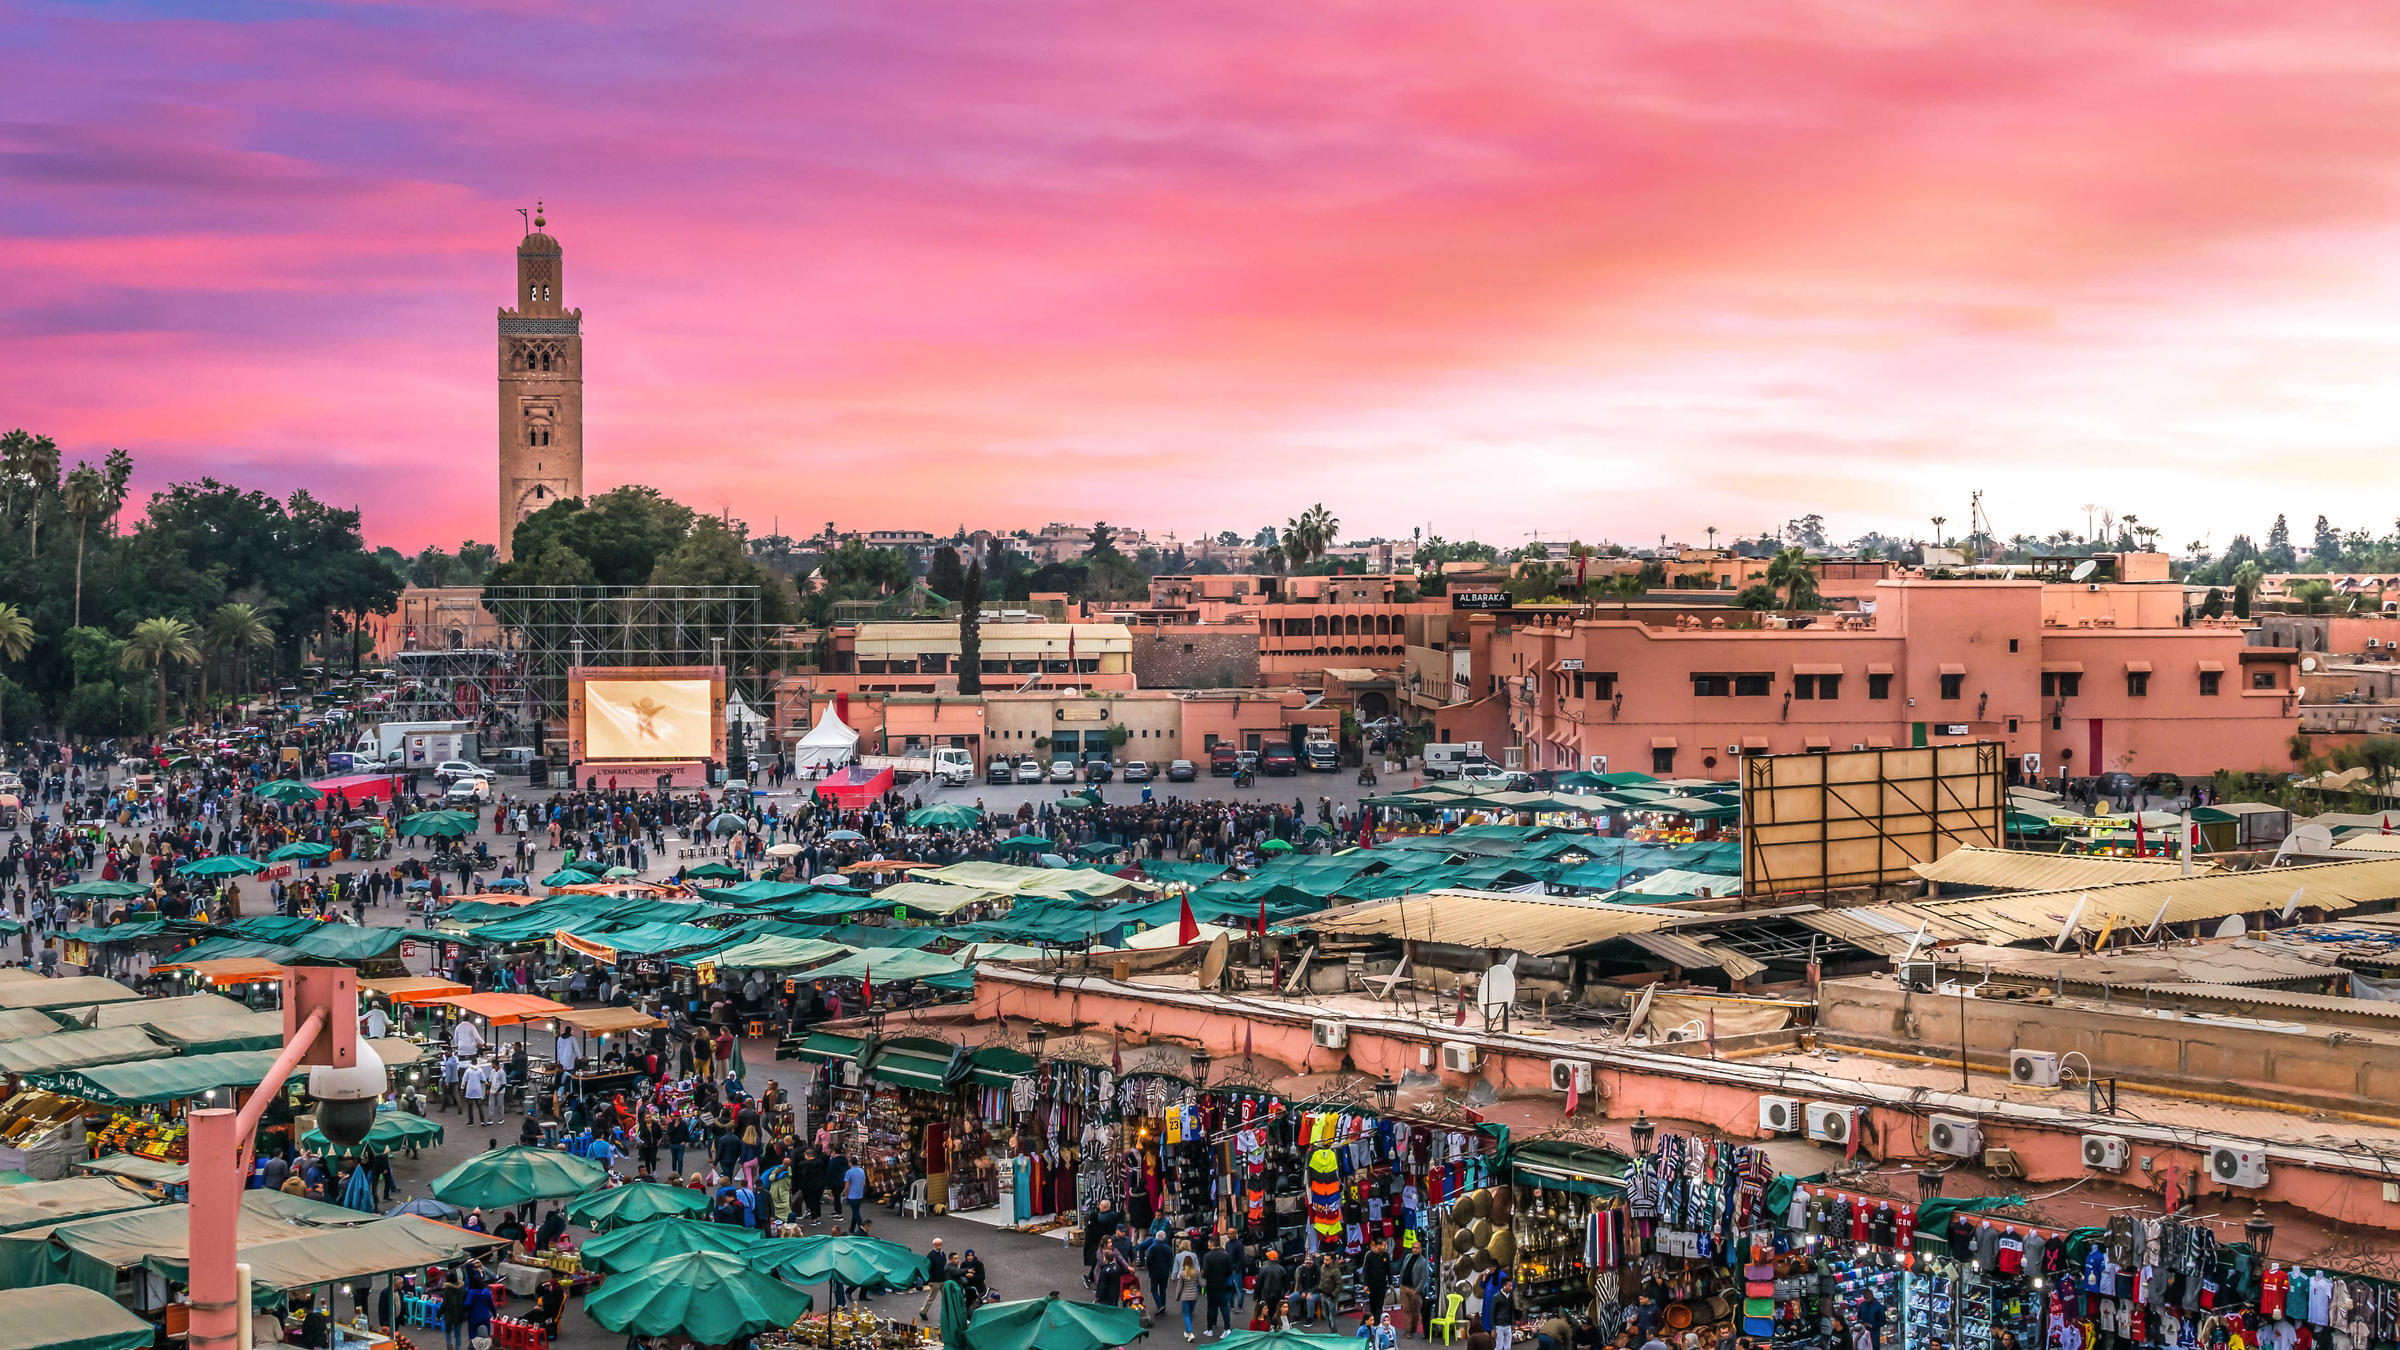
{"points": [[954, 1316], [711, 1298], [445, 824], [1275, 846], [861, 1262], [103, 890], [568, 876], [640, 1202], [223, 865], [1285, 1340], [514, 1175], [1098, 848], [618, 874], [714, 872], [1051, 1323], [642, 1244], [1087, 797], [295, 852], [1022, 843], [286, 790], [946, 816], [392, 1129]]}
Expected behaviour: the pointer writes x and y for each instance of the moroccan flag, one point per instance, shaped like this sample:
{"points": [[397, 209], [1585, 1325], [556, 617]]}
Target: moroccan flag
{"points": [[866, 986], [2141, 841], [1116, 1058], [1262, 913], [1187, 929]]}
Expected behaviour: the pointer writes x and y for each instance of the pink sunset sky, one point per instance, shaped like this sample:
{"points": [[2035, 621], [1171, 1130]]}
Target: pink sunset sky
{"points": [[1604, 270]]}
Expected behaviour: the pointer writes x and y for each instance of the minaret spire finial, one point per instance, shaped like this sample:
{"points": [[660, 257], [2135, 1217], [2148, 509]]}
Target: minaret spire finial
{"points": [[538, 222]]}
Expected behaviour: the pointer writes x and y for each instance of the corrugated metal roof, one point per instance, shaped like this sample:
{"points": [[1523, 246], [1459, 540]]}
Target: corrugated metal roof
{"points": [[1538, 925], [2243, 996], [2039, 915], [1690, 955], [1877, 928], [2014, 870]]}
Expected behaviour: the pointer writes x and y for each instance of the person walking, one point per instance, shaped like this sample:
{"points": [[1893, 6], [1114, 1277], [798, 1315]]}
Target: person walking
{"points": [[1186, 1287], [473, 1086], [1375, 1277], [854, 1193], [1216, 1278], [1274, 1284]]}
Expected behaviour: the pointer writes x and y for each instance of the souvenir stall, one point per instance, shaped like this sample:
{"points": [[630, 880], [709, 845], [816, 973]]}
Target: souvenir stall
{"points": [[1862, 1245], [992, 1102], [1568, 1224], [1705, 1242], [890, 1105]]}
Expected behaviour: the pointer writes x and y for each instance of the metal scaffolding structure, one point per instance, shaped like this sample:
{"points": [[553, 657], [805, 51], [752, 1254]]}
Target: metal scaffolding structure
{"points": [[550, 629]]}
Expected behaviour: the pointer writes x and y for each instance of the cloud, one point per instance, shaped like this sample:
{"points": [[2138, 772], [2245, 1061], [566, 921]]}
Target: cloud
{"points": [[1602, 270]]}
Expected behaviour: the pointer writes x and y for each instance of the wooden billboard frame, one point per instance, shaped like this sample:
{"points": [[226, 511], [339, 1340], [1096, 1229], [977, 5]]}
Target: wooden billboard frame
{"points": [[1828, 821]]}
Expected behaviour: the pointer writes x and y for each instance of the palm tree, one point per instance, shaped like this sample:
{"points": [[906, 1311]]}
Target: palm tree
{"points": [[86, 495], [234, 627], [1625, 586], [159, 643], [1938, 522], [37, 458], [1788, 571], [2380, 757], [16, 636]]}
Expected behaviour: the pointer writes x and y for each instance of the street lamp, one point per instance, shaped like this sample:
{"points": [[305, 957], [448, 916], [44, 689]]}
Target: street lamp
{"points": [[1645, 1134], [1201, 1059], [2259, 1231], [1929, 1184], [1036, 1036]]}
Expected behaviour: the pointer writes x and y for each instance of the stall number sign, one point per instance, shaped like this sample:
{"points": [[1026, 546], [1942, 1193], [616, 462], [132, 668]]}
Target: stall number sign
{"points": [[1479, 600], [407, 950], [1951, 729], [1571, 663]]}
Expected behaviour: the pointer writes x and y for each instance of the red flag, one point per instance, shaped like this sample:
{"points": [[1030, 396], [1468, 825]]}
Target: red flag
{"points": [[2387, 824], [1571, 1094], [1187, 929], [1246, 1045], [1366, 832], [1116, 1057], [1262, 913], [2141, 842], [1582, 562], [866, 985]]}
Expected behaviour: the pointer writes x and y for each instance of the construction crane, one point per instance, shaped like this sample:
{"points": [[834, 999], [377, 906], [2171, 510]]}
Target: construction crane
{"points": [[1979, 525]]}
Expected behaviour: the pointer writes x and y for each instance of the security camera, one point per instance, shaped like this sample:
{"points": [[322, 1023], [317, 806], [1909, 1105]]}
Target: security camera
{"points": [[347, 1098]]}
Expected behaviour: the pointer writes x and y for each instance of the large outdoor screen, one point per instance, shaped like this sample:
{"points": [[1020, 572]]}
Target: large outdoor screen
{"points": [[646, 719]]}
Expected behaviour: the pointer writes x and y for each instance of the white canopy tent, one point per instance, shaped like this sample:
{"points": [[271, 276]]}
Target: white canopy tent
{"points": [[828, 744]]}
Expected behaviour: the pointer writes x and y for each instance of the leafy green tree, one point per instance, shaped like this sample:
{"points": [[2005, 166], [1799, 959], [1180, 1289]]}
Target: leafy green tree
{"points": [[2312, 595], [16, 637], [621, 533], [2278, 555], [1790, 573], [970, 630], [2379, 756], [946, 576], [237, 628], [157, 644], [2213, 605], [2326, 550], [1104, 539], [85, 495], [712, 555], [1758, 595]]}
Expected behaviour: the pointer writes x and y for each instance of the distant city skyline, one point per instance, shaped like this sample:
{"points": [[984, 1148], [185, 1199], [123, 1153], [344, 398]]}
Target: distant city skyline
{"points": [[1600, 272]]}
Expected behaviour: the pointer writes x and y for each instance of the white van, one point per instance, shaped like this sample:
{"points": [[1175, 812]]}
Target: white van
{"points": [[1448, 759]]}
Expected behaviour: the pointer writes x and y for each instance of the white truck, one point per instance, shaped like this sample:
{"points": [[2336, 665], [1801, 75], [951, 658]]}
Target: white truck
{"points": [[1449, 759], [943, 763], [399, 746]]}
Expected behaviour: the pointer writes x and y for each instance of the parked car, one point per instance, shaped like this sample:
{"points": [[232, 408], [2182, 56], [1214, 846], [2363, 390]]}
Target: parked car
{"points": [[1136, 771], [1182, 771], [468, 789], [1062, 771], [1098, 771], [1223, 761], [1029, 770], [452, 769], [1483, 772], [1278, 761], [1000, 770], [2116, 783]]}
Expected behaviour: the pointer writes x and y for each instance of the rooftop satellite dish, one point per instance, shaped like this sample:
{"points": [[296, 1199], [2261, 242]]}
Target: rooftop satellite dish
{"points": [[1212, 963], [1641, 1011], [2084, 569], [1496, 990], [2308, 840], [2308, 663], [2294, 902], [2234, 926]]}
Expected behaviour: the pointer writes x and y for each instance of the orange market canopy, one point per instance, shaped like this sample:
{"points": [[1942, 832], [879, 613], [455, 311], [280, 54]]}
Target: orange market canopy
{"points": [[231, 970], [502, 1009], [413, 988]]}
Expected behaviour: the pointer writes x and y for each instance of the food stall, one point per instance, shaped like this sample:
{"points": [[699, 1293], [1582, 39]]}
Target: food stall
{"points": [[141, 1103], [613, 1064]]}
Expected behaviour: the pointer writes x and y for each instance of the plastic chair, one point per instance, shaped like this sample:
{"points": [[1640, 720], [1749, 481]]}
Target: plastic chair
{"points": [[912, 1206], [1447, 1323]]}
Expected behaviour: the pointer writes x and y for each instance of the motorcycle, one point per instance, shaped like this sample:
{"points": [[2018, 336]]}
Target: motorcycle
{"points": [[1366, 776]]}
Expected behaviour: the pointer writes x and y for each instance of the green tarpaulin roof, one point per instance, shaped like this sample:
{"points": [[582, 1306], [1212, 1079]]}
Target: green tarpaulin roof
{"points": [[826, 1045], [82, 1049], [758, 891], [19, 1024], [213, 1035], [876, 938], [909, 1067], [769, 953], [345, 942], [137, 1167], [77, 991], [933, 898], [54, 1202], [159, 1080], [651, 939], [133, 930], [1188, 873], [999, 1066], [64, 1317], [152, 1012], [883, 967], [323, 1256]]}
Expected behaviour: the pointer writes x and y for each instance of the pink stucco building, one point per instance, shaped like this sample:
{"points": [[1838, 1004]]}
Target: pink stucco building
{"points": [[2074, 679]]}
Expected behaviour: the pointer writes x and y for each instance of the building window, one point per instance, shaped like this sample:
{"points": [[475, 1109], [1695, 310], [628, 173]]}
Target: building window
{"points": [[1751, 686], [2057, 723], [2137, 684], [1816, 686], [2262, 679], [2061, 683], [1953, 685], [1879, 686], [2208, 682], [1662, 759], [2012, 644], [2012, 726], [1711, 686]]}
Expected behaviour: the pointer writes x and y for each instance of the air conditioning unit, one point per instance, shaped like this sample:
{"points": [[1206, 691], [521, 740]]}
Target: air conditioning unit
{"points": [[1829, 1123], [2373, 643], [1922, 976], [2238, 1164], [1779, 1114], [1328, 1033], [1734, 750], [1570, 1075], [1458, 1057], [2033, 1068], [1955, 1136], [2003, 1162], [2105, 1153]]}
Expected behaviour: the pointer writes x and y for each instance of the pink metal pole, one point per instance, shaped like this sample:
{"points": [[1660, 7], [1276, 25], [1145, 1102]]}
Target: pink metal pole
{"points": [[219, 1147]]}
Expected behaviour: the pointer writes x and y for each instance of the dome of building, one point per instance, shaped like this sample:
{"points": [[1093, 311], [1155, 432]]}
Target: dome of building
{"points": [[538, 242]]}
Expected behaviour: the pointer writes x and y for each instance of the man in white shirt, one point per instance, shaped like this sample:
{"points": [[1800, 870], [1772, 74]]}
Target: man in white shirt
{"points": [[451, 1071], [474, 1088], [568, 1053], [375, 1023], [465, 1039], [495, 1093]]}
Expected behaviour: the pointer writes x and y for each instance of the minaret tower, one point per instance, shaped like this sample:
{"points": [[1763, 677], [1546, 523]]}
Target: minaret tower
{"points": [[541, 387]]}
